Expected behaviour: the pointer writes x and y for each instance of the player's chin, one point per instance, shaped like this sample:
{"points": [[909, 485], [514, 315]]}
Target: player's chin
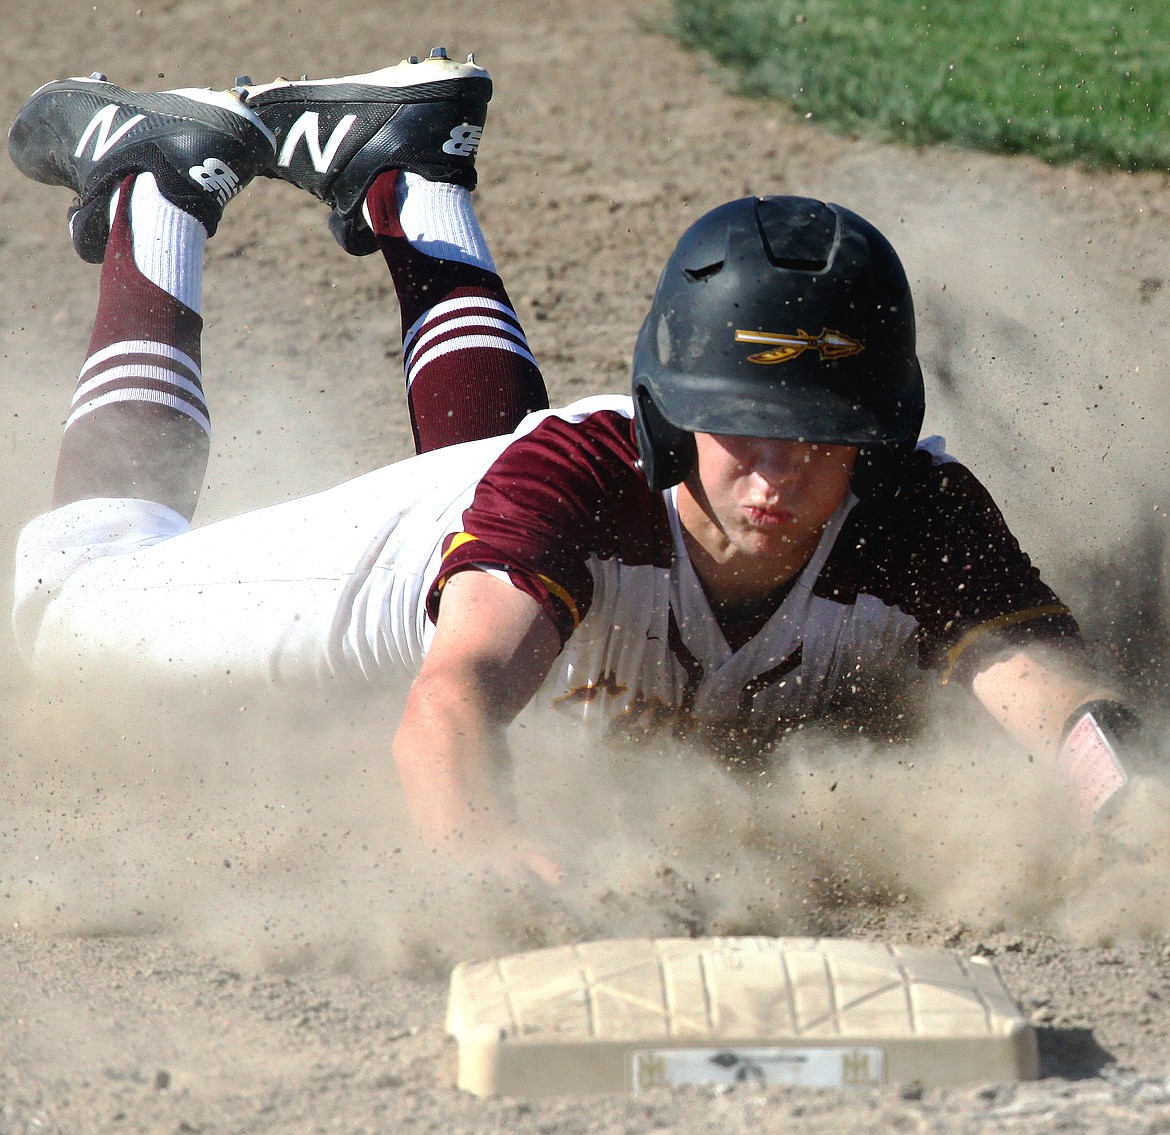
{"points": [[779, 539], [769, 542]]}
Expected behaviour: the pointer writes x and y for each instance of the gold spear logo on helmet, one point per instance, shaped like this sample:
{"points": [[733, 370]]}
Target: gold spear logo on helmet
{"points": [[828, 344]]}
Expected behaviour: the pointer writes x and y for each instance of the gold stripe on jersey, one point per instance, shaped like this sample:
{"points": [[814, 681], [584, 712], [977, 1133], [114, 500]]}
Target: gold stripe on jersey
{"points": [[459, 539], [560, 593], [1011, 619], [456, 541]]}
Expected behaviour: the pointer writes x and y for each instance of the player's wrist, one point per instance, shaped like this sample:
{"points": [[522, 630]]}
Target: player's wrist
{"points": [[1120, 723]]}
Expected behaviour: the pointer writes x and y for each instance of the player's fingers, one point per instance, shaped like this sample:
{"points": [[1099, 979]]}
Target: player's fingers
{"points": [[524, 861], [542, 865]]}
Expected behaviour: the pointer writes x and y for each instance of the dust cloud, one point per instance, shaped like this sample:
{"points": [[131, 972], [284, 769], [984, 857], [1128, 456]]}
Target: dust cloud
{"points": [[276, 836], [1045, 371], [273, 831], [958, 827]]}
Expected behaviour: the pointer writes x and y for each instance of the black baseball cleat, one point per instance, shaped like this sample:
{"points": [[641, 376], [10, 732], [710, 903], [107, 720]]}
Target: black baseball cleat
{"points": [[334, 136], [202, 146]]}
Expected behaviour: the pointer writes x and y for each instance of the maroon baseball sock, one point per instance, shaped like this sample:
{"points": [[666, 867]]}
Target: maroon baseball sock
{"points": [[138, 425], [469, 371]]}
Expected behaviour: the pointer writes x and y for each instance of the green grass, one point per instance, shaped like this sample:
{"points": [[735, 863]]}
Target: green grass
{"points": [[1066, 80]]}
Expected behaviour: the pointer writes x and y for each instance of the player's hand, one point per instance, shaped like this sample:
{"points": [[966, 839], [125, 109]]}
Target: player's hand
{"points": [[519, 860], [531, 858], [502, 852]]}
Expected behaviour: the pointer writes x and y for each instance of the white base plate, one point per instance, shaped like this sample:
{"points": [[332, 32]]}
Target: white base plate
{"points": [[632, 1014]]}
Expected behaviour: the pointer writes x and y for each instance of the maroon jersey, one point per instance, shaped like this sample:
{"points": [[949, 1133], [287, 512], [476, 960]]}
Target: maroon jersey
{"points": [[929, 577]]}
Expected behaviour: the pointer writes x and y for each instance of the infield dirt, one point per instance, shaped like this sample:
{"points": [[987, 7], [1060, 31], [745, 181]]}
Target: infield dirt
{"points": [[215, 917]]}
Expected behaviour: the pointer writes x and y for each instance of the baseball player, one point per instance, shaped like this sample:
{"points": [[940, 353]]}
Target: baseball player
{"points": [[753, 540]]}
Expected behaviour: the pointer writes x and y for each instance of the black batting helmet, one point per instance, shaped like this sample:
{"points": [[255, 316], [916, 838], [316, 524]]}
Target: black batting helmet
{"points": [[778, 317]]}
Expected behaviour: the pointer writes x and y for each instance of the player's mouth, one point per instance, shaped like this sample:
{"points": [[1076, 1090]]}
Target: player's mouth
{"points": [[768, 516]]}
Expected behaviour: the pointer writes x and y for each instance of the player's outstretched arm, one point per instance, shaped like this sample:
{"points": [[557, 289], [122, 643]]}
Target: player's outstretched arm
{"points": [[492, 648], [1062, 714]]}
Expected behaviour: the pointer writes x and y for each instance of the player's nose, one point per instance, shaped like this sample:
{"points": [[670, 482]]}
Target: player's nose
{"points": [[778, 461]]}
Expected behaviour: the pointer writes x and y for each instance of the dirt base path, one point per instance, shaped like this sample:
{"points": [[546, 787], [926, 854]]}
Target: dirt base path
{"points": [[215, 917]]}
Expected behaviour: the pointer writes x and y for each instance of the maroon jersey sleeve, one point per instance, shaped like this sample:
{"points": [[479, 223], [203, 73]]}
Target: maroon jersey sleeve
{"points": [[557, 497], [942, 552]]}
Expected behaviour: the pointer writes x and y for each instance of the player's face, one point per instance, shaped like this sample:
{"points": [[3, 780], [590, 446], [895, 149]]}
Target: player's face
{"points": [[761, 499]]}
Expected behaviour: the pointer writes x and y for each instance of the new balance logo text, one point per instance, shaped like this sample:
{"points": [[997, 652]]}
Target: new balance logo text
{"points": [[216, 177], [106, 138], [308, 128], [464, 141]]}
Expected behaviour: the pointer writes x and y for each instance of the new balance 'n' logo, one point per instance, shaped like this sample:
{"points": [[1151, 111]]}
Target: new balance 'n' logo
{"points": [[105, 138], [308, 127], [217, 177], [464, 140]]}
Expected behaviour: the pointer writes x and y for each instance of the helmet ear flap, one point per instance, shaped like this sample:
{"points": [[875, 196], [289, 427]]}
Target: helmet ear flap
{"points": [[880, 469], [667, 454]]}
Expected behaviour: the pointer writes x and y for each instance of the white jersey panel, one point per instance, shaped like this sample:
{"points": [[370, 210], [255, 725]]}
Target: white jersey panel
{"points": [[623, 662]]}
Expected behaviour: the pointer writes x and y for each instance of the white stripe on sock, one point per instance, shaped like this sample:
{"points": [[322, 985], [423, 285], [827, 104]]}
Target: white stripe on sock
{"points": [[137, 371], [142, 347], [453, 324], [155, 396], [465, 342], [460, 303]]}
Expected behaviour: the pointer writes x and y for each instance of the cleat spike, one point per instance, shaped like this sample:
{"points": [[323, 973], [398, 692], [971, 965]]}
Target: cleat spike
{"points": [[242, 81], [471, 57], [98, 76], [438, 53], [413, 59]]}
